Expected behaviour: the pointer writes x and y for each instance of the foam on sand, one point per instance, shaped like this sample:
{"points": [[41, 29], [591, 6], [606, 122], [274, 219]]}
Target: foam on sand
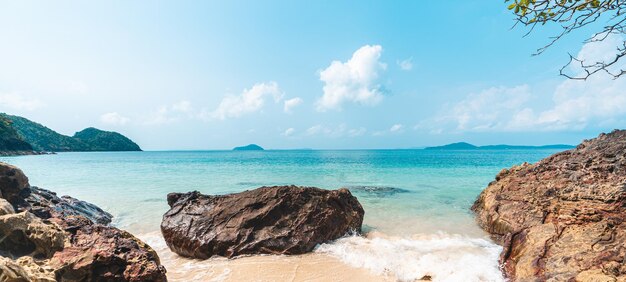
{"points": [[440, 256]]}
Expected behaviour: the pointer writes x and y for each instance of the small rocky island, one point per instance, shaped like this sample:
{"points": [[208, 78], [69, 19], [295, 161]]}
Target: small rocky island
{"points": [[268, 220], [44, 237], [563, 218], [251, 147]]}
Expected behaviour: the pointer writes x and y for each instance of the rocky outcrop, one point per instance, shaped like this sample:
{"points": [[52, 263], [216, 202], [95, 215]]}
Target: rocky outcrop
{"points": [[48, 238], [100, 252], [5, 207], [46, 204], [563, 218], [24, 234], [267, 220], [12, 183]]}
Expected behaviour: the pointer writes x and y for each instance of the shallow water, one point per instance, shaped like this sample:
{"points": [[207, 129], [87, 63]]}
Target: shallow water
{"points": [[416, 204]]}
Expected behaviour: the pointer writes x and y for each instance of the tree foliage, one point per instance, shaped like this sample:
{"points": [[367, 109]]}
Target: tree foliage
{"points": [[572, 15], [9, 139]]}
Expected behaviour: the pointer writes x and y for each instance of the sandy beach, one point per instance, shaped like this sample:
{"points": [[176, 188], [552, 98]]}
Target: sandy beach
{"points": [[308, 267]]}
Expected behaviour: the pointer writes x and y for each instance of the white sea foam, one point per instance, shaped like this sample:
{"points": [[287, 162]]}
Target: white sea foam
{"points": [[441, 256]]}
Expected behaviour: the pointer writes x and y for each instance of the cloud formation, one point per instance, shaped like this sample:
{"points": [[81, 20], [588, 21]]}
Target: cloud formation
{"points": [[396, 128], [15, 101], [171, 113], [599, 101], [355, 81], [249, 101], [490, 109], [292, 103], [405, 65], [340, 130], [289, 131], [113, 118]]}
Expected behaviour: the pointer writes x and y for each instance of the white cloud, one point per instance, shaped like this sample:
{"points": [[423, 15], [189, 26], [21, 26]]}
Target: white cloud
{"points": [[599, 101], [491, 109], [600, 52], [405, 65], [113, 118], [15, 101], [292, 103], [378, 133], [357, 132], [289, 132], [340, 130], [355, 81], [171, 113], [396, 128], [182, 107], [249, 101], [316, 129]]}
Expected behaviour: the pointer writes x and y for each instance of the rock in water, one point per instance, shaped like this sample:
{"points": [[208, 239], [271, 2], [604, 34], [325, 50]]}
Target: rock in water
{"points": [[267, 220], [563, 218]]}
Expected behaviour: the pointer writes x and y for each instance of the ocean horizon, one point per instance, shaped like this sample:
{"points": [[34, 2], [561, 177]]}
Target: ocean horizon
{"points": [[417, 202]]}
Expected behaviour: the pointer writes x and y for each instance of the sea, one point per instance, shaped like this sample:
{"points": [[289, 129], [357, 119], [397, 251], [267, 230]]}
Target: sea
{"points": [[418, 223]]}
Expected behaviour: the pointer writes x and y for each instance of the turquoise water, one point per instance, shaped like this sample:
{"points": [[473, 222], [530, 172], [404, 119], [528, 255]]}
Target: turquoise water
{"points": [[405, 193]]}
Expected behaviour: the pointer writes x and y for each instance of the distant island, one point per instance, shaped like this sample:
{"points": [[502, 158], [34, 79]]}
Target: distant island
{"points": [[20, 136], [251, 147], [468, 146]]}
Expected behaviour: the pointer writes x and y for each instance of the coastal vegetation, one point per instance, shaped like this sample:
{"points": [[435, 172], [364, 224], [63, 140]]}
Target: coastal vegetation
{"points": [[571, 16], [10, 141], [19, 132]]}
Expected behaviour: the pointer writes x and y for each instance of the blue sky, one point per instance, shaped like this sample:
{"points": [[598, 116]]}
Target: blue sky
{"points": [[298, 74]]}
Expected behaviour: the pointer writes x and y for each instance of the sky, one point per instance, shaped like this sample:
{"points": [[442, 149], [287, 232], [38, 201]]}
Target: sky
{"points": [[194, 75]]}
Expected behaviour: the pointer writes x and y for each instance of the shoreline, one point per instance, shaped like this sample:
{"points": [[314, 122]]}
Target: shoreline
{"points": [[24, 153], [369, 257]]}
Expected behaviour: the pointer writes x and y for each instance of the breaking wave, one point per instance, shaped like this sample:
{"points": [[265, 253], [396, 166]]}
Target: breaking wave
{"points": [[440, 257]]}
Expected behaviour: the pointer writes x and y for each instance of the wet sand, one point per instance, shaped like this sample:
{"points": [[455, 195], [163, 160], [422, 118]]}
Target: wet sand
{"points": [[308, 267]]}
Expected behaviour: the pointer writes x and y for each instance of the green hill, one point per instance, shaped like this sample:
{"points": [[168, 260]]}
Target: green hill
{"points": [[9, 139], [42, 138], [105, 140]]}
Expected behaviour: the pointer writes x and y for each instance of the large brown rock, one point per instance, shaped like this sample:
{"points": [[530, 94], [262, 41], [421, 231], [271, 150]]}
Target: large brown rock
{"points": [[6, 207], [12, 182], [23, 234], [266, 220], [562, 219], [54, 238], [104, 253], [24, 269]]}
